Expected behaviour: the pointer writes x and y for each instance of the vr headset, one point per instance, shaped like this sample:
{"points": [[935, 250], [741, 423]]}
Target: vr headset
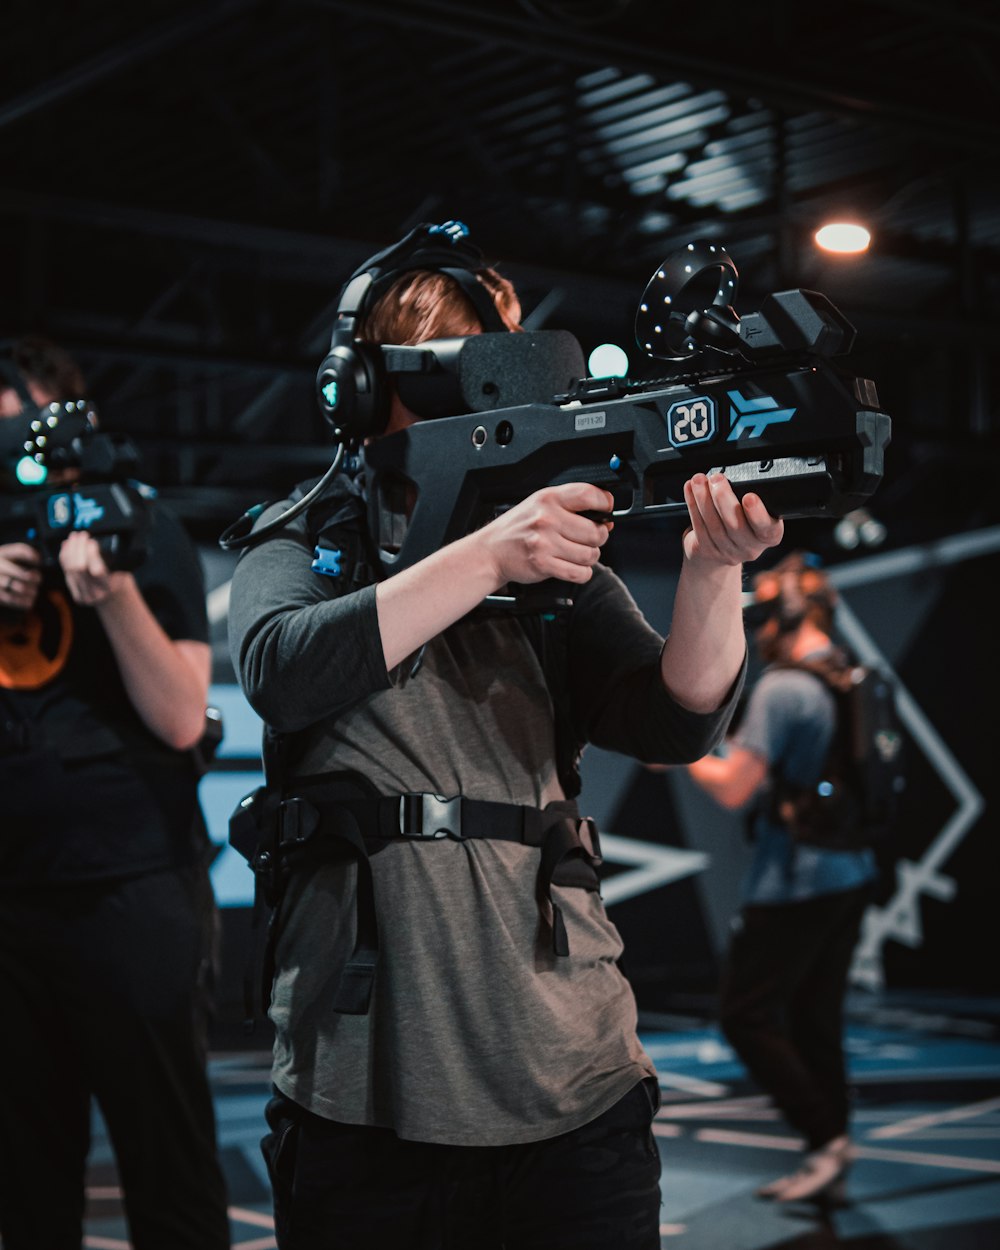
{"points": [[445, 377]]}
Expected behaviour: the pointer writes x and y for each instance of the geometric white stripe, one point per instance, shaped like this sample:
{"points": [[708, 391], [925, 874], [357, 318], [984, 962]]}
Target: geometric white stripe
{"points": [[653, 866], [900, 919]]}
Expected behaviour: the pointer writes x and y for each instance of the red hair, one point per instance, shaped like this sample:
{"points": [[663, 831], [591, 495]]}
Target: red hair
{"points": [[425, 304], [41, 361]]}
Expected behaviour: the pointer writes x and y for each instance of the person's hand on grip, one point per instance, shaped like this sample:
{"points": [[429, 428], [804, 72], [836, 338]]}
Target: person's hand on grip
{"points": [[88, 579], [545, 536], [20, 576]]}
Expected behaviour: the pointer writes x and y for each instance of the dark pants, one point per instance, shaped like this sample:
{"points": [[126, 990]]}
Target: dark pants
{"points": [[104, 995], [782, 1004], [348, 1187]]}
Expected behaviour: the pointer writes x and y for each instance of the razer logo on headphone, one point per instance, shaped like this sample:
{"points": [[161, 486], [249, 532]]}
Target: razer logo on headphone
{"points": [[330, 390], [752, 416]]}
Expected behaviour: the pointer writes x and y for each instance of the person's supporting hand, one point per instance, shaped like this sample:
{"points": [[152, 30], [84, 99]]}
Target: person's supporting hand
{"points": [[20, 576], [545, 536], [88, 579], [724, 529], [166, 679], [705, 649]]}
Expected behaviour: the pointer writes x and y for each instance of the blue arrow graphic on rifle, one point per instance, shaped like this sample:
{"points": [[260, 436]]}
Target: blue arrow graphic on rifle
{"points": [[752, 416]]}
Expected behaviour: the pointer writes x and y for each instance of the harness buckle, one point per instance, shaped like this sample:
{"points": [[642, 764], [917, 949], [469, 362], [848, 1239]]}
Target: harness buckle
{"points": [[591, 839], [428, 816], [297, 822]]}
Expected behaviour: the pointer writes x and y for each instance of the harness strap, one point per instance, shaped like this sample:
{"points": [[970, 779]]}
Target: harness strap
{"points": [[564, 846], [321, 819], [358, 976]]}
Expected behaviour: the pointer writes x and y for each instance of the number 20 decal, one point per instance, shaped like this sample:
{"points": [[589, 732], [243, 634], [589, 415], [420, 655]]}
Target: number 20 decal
{"points": [[691, 421]]}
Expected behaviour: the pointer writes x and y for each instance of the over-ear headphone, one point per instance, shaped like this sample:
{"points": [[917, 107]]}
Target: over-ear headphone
{"points": [[352, 381]]}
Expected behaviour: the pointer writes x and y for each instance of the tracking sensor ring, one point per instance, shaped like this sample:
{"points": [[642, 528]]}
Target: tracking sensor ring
{"points": [[669, 328]]}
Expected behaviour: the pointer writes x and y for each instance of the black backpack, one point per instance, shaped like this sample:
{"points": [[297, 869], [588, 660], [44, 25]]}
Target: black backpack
{"points": [[855, 802]]}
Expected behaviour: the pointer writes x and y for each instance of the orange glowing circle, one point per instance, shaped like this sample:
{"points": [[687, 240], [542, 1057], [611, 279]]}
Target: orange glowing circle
{"points": [[34, 646]]}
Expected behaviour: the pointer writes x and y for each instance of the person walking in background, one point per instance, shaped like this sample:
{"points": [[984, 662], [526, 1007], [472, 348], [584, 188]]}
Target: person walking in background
{"points": [[783, 989]]}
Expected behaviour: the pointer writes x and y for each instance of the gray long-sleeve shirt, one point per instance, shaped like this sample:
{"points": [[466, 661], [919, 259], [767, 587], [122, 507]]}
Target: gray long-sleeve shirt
{"points": [[477, 1033]]}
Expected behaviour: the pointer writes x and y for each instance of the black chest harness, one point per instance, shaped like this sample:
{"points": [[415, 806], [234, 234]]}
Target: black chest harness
{"points": [[338, 817], [289, 825]]}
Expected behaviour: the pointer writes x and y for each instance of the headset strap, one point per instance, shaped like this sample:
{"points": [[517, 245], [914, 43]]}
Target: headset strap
{"points": [[443, 249]]}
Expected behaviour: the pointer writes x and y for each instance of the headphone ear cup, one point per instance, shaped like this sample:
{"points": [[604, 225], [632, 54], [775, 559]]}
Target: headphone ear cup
{"points": [[352, 390]]}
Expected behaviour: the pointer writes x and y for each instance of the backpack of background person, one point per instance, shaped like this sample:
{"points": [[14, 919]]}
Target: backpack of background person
{"points": [[855, 801]]}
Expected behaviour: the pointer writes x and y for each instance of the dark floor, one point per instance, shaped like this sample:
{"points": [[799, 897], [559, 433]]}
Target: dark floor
{"points": [[926, 1071]]}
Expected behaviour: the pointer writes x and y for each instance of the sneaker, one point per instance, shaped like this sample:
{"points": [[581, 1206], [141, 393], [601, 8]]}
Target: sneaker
{"points": [[821, 1178], [773, 1188]]}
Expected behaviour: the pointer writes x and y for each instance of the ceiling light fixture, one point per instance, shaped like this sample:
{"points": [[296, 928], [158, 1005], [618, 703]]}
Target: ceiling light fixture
{"points": [[843, 236]]}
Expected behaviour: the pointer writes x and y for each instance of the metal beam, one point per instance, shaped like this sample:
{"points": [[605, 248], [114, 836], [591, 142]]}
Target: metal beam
{"points": [[738, 76], [209, 359], [130, 52], [327, 255], [206, 231], [957, 18]]}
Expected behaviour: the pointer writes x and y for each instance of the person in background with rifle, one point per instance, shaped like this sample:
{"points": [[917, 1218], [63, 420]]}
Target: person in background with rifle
{"points": [[106, 909], [456, 1060], [782, 995]]}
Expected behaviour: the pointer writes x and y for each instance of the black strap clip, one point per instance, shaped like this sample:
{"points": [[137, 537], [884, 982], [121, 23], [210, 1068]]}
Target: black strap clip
{"points": [[298, 820], [428, 816], [590, 839]]}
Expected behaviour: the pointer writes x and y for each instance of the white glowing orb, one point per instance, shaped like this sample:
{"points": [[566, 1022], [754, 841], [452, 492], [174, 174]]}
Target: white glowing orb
{"points": [[607, 361]]}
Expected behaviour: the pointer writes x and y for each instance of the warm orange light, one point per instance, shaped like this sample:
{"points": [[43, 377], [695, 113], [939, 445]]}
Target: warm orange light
{"points": [[843, 236]]}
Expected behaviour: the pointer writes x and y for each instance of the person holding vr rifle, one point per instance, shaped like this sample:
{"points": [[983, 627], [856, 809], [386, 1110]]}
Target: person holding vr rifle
{"points": [[106, 909], [456, 1059]]}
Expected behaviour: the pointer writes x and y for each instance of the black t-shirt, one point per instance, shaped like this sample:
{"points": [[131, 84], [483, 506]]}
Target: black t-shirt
{"points": [[86, 791]]}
